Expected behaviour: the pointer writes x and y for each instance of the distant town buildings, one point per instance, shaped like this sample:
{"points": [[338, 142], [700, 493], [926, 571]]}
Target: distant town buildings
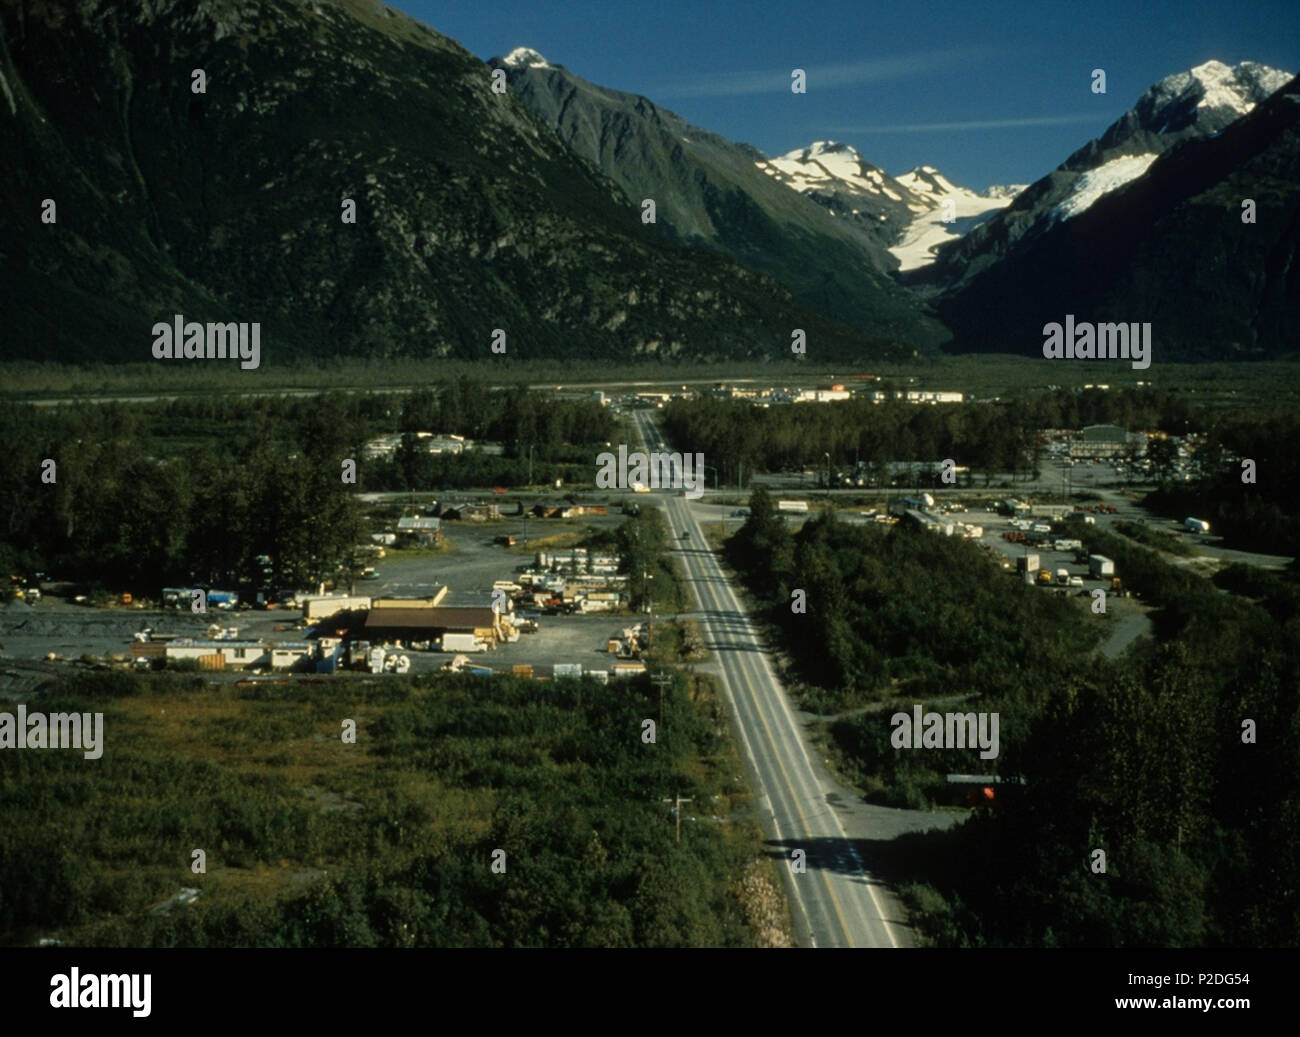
{"points": [[430, 442], [1098, 441]]}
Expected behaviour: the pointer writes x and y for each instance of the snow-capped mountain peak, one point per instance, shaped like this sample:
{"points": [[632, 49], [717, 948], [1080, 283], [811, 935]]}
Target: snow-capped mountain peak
{"points": [[926, 180], [1197, 104], [912, 214], [525, 57], [827, 164], [821, 147], [1211, 87]]}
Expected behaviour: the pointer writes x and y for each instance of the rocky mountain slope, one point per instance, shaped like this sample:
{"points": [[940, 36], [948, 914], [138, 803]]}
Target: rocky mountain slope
{"points": [[1196, 104], [712, 192], [226, 205], [908, 214], [1169, 247]]}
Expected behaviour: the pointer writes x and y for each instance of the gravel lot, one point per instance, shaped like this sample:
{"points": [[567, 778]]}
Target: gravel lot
{"points": [[53, 625]]}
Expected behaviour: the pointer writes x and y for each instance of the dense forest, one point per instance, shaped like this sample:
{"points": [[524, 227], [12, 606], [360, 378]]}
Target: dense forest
{"points": [[1148, 758], [895, 615], [1003, 438], [1263, 514], [990, 438], [198, 489], [313, 842]]}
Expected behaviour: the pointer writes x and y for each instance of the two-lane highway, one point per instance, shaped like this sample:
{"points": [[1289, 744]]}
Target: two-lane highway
{"points": [[837, 904]]}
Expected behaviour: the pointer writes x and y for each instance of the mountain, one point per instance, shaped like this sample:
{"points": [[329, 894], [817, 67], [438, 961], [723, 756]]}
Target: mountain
{"points": [[226, 205], [940, 223], [1191, 105], [905, 214], [1168, 247], [840, 180], [711, 192]]}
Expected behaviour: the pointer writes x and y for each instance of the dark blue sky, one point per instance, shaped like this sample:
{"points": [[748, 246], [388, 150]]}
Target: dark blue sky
{"points": [[989, 92]]}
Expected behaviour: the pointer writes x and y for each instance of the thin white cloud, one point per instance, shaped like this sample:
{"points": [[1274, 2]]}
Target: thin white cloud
{"points": [[875, 70], [973, 124]]}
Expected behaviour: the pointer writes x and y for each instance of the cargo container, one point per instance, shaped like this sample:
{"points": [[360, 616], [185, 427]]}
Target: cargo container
{"points": [[1100, 565], [521, 671], [792, 505], [566, 670], [462, 643], [627, 669]]}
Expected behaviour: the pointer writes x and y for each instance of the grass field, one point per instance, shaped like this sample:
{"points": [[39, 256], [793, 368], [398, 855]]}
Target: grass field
{"points": [[312, 841], [976, 375]]}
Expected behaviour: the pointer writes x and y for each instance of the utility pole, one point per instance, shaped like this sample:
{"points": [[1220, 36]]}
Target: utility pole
{"points": [[677, 802], [650, 612], [661, 681]]}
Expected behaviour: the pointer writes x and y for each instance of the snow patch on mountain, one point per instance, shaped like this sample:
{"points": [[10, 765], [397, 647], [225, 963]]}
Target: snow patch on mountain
{"points": [[928, 231], [525, 57], [1105, 178]]}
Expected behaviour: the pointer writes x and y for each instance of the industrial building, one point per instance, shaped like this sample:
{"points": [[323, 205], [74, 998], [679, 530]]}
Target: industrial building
{"points": [[1104, 441], [430, 624], [420, 530]]}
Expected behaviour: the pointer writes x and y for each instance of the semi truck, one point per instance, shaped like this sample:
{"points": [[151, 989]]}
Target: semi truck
{"points": [[1027, 563], [1099, 566], [792, 505]]}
